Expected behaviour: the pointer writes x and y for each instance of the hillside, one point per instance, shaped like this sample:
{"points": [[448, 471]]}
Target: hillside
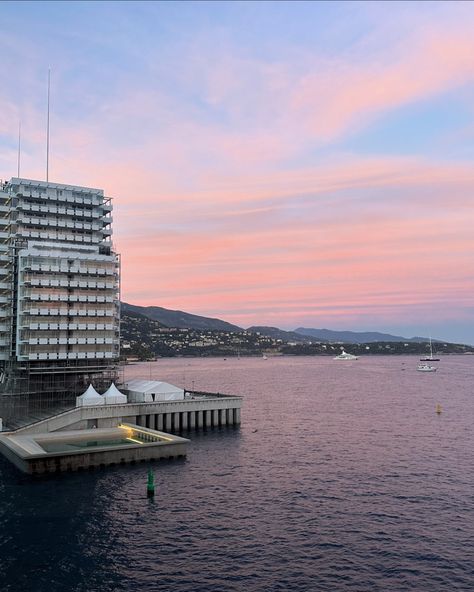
{"points": [[356, 337], [178, 318], [145, 338], [275, 333], [150, 331]]}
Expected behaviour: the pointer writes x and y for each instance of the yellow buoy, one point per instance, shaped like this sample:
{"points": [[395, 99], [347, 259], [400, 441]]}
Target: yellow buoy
{"points": [[438, 408]]}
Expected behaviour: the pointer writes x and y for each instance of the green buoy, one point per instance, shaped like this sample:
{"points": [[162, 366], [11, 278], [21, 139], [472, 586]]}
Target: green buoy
{"points": [[150, 486]]}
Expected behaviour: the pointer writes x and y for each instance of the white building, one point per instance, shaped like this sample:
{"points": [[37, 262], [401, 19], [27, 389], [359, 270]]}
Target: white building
{"points": [[59, 289]]}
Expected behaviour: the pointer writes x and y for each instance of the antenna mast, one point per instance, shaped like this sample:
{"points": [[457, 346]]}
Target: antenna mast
{"points": [[47, 129], [19, 147]]}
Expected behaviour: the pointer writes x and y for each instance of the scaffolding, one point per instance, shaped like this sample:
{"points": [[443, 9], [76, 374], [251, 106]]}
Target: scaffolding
{"points": [[32, 391]]}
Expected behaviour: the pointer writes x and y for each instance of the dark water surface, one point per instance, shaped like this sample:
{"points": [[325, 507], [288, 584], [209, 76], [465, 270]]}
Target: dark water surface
{"points": [[342, 477]]}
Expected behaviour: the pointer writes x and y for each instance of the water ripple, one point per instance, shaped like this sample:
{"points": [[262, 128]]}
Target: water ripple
{"points": [[350, 483]]}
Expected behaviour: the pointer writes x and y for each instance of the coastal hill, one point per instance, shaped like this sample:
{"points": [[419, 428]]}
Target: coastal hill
{"points": [[183, 334], [185, 320], [178, 318], [355, 337], [276, 333]]}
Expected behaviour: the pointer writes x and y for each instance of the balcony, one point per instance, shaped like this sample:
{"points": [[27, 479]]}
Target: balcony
{"points": [[69, 356]]}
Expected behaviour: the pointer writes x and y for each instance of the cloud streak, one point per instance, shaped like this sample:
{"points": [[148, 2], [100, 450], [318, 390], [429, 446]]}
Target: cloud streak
{"points": [[241, 188]]}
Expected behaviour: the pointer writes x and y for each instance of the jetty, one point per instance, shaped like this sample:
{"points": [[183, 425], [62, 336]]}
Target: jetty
{"points": [[89, 436]]}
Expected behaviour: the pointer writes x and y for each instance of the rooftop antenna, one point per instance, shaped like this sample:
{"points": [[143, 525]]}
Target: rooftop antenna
{"points": [[47, 129], [19, 147]]}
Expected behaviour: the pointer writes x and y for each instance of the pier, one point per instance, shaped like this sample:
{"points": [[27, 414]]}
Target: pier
{"points": [[198, 410], [76, 450], [54, 444]]}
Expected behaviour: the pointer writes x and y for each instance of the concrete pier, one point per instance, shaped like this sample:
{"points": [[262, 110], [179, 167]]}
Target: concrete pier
{"points": [[153, 423], [83, 449], [196, 412]]}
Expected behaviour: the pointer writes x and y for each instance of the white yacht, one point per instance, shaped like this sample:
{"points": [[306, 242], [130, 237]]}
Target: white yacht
{"points": [[345, 356], [426, 368]]}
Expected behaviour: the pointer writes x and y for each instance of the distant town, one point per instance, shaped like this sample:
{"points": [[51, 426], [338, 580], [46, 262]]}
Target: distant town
{"points": [[143, 338]]}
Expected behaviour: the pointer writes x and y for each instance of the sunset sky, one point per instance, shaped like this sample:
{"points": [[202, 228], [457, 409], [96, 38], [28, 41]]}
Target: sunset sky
{"points": [[286, 164]]}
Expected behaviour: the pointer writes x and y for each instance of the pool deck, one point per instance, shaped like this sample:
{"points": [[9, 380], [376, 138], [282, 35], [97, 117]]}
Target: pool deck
{"points": [[25, 451]]}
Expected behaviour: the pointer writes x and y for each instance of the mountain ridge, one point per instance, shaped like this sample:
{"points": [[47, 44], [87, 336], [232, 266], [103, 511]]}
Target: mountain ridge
{"points": [[184, 320], [179, 318], [356, 336]]}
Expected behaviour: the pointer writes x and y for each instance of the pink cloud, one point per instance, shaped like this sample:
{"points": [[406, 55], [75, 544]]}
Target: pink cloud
{"points": [[345, 95], [223, 219], [388, 264]]}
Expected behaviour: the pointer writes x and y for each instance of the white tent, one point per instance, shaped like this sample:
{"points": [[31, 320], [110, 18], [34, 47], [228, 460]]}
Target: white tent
{"points": [[113, 396], [90, 397], [147, 391]]}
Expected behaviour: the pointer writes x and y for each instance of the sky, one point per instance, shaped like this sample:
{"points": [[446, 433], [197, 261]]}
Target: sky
{"points": [[293, 164]]}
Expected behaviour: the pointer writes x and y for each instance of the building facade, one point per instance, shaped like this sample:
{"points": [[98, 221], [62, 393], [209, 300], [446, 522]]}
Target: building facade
{"points": [[59, 290]]}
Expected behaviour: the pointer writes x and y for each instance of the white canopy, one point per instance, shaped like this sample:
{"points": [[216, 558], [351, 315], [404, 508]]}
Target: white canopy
{"points": [[147, 391], [113, 396], [89, 397]]}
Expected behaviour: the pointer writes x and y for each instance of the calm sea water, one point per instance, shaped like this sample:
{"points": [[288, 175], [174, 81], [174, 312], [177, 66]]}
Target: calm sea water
{"points": [[342, 477]]}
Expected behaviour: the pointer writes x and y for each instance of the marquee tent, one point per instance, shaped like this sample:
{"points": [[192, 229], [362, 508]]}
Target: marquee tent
{"points": [[89, 397], [147, 391], [113, 396]]}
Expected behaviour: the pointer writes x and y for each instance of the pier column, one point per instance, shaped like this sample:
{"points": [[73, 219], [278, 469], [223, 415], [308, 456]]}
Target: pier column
{"points": [[169, 417], [230, 416], [223, 417], [208, 419], [142, 421], [184, 420], [177, 424], [199, 420], [237, 416], [159, 422], [215, 418], [192, 420]]}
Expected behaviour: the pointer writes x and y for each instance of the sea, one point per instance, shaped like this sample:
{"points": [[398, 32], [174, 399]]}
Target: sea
{"points": [[342, 477]]}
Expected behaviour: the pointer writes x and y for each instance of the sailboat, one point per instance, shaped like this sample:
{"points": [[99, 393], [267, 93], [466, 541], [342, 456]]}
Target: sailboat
{"points": [[430, 357]]}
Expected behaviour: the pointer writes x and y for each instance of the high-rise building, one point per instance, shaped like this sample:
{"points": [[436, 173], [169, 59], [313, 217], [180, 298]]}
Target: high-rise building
{"points": [[59, 290]]}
